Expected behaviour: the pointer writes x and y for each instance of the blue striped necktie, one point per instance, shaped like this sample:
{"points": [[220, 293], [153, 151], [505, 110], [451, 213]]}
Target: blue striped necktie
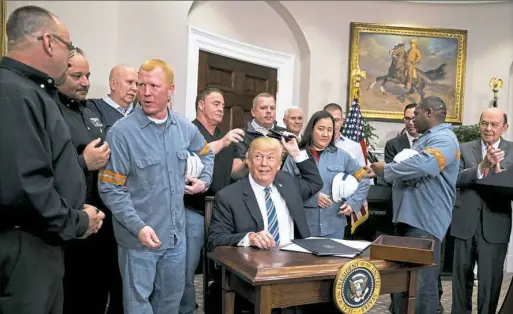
{"points": [[272, 218]]}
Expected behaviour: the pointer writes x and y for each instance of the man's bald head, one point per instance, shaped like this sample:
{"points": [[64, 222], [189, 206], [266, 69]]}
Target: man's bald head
{"points": [[39, 39], [123, 84], [120, 70], [493, 123], [495, 112], [26, 23]]}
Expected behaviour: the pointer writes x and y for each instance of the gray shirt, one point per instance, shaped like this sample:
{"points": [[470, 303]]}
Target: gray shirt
{"points": [[143, 182]]}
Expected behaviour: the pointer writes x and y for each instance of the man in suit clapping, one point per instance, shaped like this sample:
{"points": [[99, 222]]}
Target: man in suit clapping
{"points": [[481, 224]]}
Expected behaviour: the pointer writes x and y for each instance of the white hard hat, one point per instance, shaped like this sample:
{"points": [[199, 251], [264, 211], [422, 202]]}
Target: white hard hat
{"points": [[343, 186], [194, 166], [405, 154]]}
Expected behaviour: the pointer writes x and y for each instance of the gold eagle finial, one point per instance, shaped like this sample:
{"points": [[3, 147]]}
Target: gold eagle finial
{"points": [[357, 75], [495, 84]]}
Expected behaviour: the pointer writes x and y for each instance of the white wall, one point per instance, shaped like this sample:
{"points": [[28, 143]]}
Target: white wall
{"points": [[489, 49], [265, 29], [133, 31], [98, 39]]}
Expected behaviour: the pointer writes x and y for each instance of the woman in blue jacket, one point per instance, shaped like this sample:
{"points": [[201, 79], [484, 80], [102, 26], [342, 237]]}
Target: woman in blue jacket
{"points": [[325, 217]]}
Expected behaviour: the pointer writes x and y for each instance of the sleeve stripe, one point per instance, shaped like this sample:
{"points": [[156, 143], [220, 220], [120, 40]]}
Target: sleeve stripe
{"points": [[112, 174], [204, 150], [359, 174], [111, 177], [438, 155]]}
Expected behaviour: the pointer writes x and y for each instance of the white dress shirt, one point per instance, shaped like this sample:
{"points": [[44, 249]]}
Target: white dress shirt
{"points": [[483, 152], [352, 148], [410, 139], [114, 105], [285, 221]]}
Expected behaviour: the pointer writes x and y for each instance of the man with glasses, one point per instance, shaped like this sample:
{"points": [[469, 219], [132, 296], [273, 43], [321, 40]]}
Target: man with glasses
{"points": [[406, 140], [42, 186], [481, 225], [423, 193]]}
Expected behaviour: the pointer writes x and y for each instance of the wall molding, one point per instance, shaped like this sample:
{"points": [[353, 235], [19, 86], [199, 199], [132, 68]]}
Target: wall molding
{"points": [[202, 40], [458, 2]]}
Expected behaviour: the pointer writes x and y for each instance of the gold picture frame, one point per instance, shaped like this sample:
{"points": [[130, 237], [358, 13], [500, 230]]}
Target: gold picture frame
{"points": [[3, 20], [399, 74]]}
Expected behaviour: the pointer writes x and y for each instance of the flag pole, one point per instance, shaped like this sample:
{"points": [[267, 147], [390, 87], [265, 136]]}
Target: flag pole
{"points": [[363, 214]]}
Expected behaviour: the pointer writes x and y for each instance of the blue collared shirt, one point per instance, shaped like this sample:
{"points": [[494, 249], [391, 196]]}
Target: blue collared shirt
{"points": [[424, 189], [143, 182], [327, 221]]}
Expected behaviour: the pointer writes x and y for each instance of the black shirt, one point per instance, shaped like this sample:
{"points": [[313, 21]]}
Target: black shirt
{"points": [[222, 170], [250, 134], [42, 185], [105, 112], [85, 126]]}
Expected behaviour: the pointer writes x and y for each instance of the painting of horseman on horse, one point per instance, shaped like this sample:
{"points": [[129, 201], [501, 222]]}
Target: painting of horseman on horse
{"points": [[402, 69]]}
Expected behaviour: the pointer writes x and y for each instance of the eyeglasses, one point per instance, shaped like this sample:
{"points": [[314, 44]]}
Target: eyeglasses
{"points": [[485, 124], [72, 49], [407, 119]]}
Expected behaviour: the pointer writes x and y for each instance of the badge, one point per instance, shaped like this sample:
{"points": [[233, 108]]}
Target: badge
{"points": [[96, 122], [356, 287]]}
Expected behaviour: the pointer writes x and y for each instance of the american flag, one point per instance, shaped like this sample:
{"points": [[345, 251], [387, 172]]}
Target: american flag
{"points": [[353, 129]]}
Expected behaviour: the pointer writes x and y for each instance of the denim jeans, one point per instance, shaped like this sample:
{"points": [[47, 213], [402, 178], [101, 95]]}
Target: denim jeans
{"points": [[427, 298], [195, 234], [153, 280]]}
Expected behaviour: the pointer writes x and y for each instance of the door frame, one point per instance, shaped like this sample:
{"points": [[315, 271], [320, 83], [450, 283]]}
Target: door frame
{"points": [[202, 40]]}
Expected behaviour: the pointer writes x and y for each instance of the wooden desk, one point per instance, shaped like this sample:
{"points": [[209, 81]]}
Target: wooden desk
{"points": [[278, 279]]}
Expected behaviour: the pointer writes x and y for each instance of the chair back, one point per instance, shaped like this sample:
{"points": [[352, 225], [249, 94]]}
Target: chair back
{"points": [[209, 209]]}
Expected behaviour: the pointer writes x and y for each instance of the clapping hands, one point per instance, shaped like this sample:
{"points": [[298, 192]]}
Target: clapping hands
{"points": [[492, 160]]}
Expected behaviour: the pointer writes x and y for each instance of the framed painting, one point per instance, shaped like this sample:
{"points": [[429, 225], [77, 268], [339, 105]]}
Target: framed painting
{"points": [[404, 65], [3, 20]]}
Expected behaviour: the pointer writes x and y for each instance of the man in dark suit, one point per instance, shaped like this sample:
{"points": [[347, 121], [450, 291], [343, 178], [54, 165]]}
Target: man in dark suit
{"points": [[406, 140], [481, 224], [265, 208]]}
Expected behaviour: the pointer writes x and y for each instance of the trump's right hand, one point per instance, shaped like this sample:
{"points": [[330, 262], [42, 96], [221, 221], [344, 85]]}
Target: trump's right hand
{"points": [[261, 240]]}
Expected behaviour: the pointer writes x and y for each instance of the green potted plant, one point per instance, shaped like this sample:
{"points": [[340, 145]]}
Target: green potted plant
{"points": [[467, 133], [369, 135]]}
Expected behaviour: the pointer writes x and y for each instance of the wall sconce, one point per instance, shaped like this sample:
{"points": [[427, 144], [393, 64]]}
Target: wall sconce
{"points": [[495, 84]]}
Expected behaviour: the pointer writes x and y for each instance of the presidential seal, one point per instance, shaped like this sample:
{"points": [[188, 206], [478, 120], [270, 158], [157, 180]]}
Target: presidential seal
{"points": [[356, 287]]}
